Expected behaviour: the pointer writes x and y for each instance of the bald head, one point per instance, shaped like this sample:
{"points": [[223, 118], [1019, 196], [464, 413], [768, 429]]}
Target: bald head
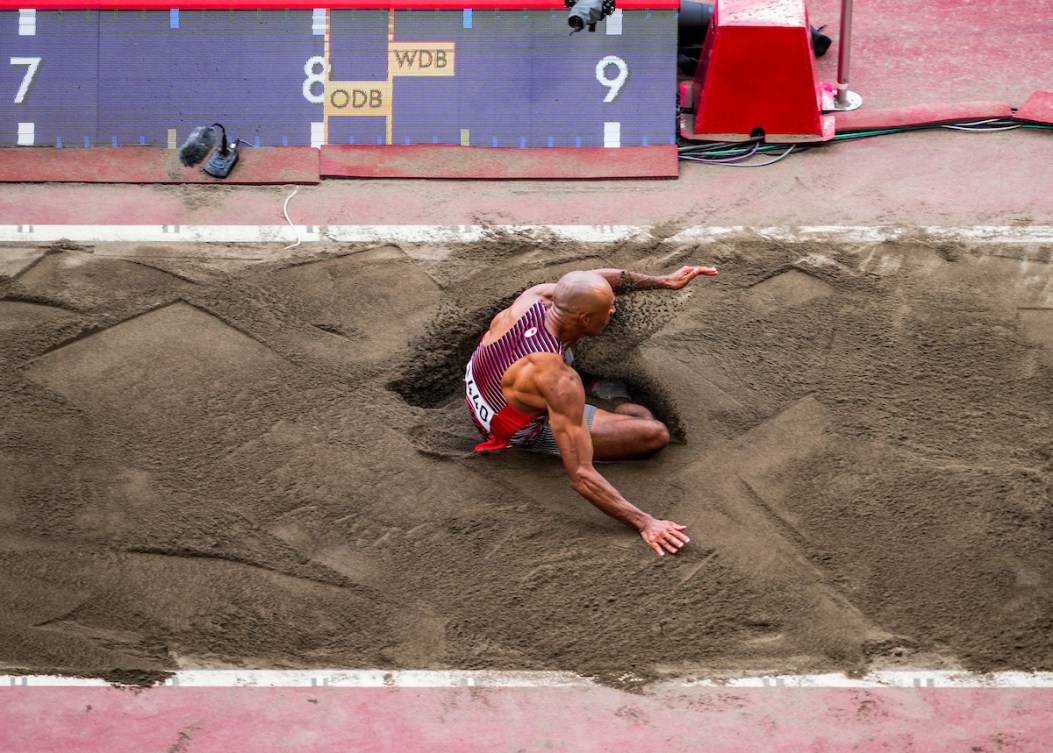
{"points": [[582, 293], [582, 304]]}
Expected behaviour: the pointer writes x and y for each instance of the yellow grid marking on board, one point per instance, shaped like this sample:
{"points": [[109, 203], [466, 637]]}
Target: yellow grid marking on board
{"points": [[358, 98], [173, 140], [415, 59], [466, 137]]}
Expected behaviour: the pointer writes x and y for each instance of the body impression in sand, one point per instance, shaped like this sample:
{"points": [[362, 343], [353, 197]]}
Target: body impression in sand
{"points": [[522, 392]]}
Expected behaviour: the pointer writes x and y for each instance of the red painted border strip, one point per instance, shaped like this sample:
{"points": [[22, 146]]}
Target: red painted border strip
{"points": [[146, 164], [551, 5], [305, 165], [484, 720], [459, 162]]}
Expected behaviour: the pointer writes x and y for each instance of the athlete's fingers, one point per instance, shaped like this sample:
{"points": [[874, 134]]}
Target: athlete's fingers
{"points": [[684, 277], [677, 538], [668, 538]]}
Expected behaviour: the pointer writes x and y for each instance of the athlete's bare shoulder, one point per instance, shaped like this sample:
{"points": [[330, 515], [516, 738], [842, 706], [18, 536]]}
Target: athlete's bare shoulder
{"points": [[530, 296], [504, 320]]}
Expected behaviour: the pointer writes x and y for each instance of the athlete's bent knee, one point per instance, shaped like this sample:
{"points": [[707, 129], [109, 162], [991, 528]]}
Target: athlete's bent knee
{"points": [[654, 437]]}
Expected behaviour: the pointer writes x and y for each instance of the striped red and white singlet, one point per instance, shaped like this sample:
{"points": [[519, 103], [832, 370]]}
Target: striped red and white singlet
{"points": [[500, 424]]}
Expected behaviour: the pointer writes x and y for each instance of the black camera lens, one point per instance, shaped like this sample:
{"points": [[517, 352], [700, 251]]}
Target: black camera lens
{"points": [[576, 23]]}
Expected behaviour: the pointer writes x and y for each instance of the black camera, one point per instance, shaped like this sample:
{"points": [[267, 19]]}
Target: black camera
{"points": [[587, 13]]}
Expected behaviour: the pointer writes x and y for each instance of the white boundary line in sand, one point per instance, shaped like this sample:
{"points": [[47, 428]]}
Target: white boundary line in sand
{"points": [[438, 234], [487, 679]]}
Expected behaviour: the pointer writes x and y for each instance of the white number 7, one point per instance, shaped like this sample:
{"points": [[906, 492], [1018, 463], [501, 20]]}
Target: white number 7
{"points": [[614, 84], [27, 80]]}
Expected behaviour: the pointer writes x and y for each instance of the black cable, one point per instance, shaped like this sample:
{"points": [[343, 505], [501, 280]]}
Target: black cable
{"points": [[731, 153]]}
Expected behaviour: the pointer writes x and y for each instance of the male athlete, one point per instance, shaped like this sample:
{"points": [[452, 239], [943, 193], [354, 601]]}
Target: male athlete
{"points": [[522, 392]]}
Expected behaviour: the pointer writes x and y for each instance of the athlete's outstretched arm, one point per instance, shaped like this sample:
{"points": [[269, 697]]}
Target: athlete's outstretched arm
{"points": [[565, 397], [623, 281]]}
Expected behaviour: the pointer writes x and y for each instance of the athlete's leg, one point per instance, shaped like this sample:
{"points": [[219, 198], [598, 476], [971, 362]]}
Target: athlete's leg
{"points": [[632, 409], [631, 431], [545, 443]]}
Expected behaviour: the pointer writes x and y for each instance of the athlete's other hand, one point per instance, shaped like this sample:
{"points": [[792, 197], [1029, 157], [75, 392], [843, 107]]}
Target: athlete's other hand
{"points": [[664, 536], [681, 277]]}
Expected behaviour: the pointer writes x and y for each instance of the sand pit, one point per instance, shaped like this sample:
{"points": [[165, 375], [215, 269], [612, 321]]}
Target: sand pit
{"points": [[212, 462]]}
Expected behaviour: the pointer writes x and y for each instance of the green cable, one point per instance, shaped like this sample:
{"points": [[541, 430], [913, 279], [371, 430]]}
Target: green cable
{"points": [[736, 151]]}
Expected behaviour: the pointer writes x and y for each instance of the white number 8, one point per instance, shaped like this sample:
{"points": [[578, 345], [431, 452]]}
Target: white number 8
{"points": [[614, 84], [317, 72]]}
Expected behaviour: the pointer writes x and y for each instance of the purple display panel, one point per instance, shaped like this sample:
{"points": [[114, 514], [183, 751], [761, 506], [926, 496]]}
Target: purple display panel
{"points": [[507, 78], [48, 77], [358, 50], [242, 68], [523, 81]]}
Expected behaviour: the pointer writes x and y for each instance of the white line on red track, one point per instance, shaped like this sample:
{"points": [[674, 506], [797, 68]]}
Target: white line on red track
{"points": [[433, 234], [496, 679]]}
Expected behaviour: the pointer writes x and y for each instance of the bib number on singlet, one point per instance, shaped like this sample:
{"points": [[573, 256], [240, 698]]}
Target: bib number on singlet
{"points": [[482, 409]]}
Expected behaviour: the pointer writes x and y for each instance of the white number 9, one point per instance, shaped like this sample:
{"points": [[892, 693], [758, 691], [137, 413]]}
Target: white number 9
{"points": [[614, 84]]}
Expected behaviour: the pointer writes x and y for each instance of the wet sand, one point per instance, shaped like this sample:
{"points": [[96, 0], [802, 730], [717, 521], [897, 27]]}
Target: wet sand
{"points": [[212, 461]]}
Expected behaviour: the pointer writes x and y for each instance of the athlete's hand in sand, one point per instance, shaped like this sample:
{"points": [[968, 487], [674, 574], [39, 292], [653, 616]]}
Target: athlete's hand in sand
{"points": [[664, 535], [681, 277]]}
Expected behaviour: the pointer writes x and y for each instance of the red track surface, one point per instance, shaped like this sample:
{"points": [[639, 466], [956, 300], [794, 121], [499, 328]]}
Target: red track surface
{"points": [[494, 720]]}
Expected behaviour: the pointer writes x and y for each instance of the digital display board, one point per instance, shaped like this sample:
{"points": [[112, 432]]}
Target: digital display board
{"points": [[493, 77]]}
